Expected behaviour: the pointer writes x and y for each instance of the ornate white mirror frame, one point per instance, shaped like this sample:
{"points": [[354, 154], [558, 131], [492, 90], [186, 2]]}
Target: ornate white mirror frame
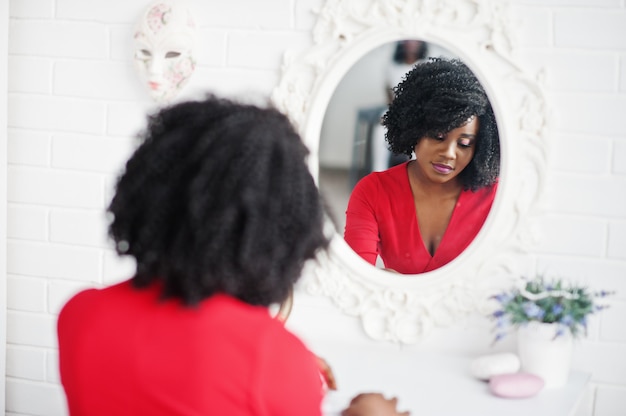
{"points": [[403, 308]]}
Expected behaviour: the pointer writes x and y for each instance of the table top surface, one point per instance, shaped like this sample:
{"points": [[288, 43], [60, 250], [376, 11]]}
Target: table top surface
{"points": [[437, 384]]}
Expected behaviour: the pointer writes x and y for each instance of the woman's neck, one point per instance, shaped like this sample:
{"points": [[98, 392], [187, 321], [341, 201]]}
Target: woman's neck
{"points": [[426, 187]]}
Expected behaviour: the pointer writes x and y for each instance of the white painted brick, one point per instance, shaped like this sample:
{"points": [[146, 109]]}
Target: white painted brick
{"points": [[605, 361], [617, 240], [52, 366], [27, 222], [595, 71], [268, 14], [120, 39], [96, 79], [603, 29], [32, 9], [213, 50], [27, 363], [117, 268], [52, 261], [26, 294], [31, 398], [127, 119], [534, 25], [619, 157], [59, 292], [572, 236], [50, 187], [592, 114], [88, 153], [234, 83], [25, 147], [113, 11], [30, 75], [612, 328], [52, 113], [262, 50], [37, 330], [58, 38], [597, 274], [610, 401], [588, 195], [85, 228], [582, 154]]}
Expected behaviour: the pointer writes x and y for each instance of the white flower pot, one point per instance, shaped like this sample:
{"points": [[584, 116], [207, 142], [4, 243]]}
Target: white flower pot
{"points": [[543, 354]]}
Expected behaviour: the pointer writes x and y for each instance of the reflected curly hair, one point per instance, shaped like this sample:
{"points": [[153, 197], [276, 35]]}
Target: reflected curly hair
{"points": [[218, 198], [437, 96]]}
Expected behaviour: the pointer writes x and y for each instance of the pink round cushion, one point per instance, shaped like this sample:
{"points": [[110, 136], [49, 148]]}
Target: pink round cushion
{"points": [[515, 385]]}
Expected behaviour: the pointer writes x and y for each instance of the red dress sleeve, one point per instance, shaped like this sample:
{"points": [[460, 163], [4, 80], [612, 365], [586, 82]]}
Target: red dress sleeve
{"points": [[361, 231]]}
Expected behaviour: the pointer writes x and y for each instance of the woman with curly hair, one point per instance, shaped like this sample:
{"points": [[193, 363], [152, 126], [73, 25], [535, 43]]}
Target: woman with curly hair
{"points": [[219, 210], [420, 215]]}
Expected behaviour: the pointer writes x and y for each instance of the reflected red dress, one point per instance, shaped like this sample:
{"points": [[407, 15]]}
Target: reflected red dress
{"points": [[122, 351], [381, 220]]}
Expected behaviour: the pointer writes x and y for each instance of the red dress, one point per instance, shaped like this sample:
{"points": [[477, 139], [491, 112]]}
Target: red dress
{"points": [[381, 220], [123, 351]]}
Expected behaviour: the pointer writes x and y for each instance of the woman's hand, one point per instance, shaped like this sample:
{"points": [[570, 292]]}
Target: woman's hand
{"points": [[327, 373], [372, 404]]}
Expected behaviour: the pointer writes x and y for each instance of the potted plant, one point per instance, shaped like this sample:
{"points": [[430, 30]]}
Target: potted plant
{"points": [[548, 315]]}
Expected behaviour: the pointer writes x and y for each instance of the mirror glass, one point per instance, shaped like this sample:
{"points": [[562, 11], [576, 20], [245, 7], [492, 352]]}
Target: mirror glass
{"points": [[352, 145]]}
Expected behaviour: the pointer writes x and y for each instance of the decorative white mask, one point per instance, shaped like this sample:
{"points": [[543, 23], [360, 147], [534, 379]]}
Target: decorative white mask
{"points": [[165, 41]]}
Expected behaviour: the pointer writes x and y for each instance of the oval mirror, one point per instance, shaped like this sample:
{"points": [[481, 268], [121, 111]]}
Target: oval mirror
{"points": [[352, 145], [398, 307]]}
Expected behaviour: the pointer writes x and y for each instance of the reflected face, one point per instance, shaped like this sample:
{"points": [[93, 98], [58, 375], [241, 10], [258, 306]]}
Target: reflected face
{"points": [[164, 50], [440, 159]]}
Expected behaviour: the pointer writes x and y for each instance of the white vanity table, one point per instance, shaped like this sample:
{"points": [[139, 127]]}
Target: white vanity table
{"points": [[437, 384]]}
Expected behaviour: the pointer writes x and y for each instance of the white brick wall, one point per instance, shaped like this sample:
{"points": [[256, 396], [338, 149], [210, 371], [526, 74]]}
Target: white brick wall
{"points": [[74, 107], [582, 46], [58, 38], [51, 113]]}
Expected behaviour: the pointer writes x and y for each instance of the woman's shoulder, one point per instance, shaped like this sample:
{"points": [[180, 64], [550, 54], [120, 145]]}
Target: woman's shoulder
{"points": [[384, 184], [87, 298]]}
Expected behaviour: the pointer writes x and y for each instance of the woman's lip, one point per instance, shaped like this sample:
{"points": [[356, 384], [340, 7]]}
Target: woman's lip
{"points": [[441, 168], [154, 85]]}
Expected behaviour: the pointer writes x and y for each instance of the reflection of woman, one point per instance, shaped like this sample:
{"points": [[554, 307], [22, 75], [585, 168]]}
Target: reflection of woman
{"points": [[422, 214], [215, 244]]}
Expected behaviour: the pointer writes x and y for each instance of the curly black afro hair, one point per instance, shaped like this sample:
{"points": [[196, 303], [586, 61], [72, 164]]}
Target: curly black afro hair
{"points": [[437, 96], [218, 198]]}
